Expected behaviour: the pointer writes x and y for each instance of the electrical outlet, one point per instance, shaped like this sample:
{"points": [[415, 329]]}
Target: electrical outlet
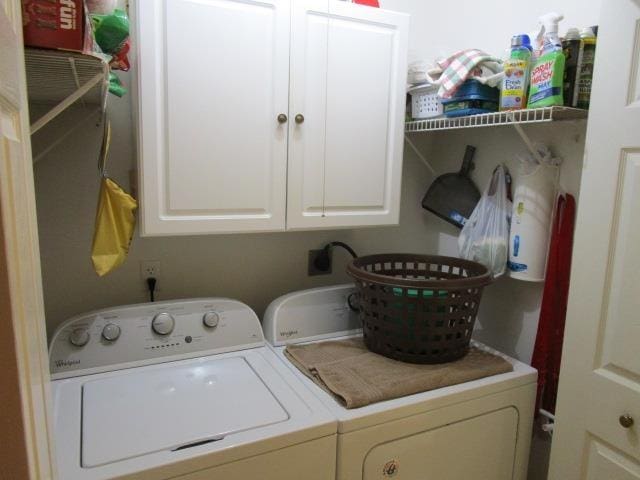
{"points": [[149, 268], [312, 268]]}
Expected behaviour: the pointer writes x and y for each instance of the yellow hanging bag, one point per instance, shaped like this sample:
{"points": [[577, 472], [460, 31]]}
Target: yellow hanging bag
{"points": [[115, 218]]}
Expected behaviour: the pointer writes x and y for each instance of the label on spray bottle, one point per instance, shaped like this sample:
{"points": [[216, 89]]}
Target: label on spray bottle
{"points": [[572, 50], [586, 75], [542, 76]]}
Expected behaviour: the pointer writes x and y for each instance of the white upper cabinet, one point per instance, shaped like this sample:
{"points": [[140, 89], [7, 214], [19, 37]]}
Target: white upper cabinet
{"points": [[213, 78], [348, 78], [230, 92]]}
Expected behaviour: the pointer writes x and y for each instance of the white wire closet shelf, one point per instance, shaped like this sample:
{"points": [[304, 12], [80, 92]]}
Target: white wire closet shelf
{"points": [[58, 79], [515, 118], [535, 115]]}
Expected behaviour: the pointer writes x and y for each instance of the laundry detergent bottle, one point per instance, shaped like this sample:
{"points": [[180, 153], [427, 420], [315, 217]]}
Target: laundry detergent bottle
{"points": [[547, 73], [515, 84]]}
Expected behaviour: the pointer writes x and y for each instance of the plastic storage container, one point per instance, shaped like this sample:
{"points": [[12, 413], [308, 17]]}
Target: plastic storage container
{"points": [[425, 102], [418, 308], [472, 98]]}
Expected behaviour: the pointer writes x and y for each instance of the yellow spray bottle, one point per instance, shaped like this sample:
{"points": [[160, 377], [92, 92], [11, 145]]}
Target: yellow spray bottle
{"points": [[586, 67]]}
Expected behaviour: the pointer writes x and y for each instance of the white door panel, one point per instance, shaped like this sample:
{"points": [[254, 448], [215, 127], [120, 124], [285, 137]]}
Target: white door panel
{"points": [[213, 154], [600, 376], [607, 464], [28, 450], [9, 57], [612, 394], [350, 156], [358, 107], [622, 334]]}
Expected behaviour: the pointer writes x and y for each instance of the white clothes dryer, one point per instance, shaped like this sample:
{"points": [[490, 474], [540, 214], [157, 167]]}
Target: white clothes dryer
{"points": [[478, 430]]}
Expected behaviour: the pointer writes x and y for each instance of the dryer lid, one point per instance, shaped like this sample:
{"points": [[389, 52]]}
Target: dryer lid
{"points": [[168, 408]]}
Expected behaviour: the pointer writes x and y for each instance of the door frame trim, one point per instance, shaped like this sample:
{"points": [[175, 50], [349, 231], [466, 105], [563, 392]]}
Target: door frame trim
{"points": [[21, 297]]}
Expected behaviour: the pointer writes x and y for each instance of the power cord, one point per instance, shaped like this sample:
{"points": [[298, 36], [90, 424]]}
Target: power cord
{"points": [[328, 246], [323, 263], [151, 285], [323, 260]]}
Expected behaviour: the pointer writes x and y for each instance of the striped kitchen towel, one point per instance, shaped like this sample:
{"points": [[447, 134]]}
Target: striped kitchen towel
{"points": [[460, 66]]}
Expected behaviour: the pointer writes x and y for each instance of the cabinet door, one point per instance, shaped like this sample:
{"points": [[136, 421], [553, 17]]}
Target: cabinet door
{"points": [[213, 78], [348, 70], [597, 434], [605, 463]]}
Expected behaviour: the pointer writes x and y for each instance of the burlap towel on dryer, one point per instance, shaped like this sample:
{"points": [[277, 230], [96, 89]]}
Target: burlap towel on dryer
{"points": [[358, 377]]}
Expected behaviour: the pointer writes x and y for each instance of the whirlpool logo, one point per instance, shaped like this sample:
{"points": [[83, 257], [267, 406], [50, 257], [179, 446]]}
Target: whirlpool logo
{"points": [[289, 333], [66, 363]]}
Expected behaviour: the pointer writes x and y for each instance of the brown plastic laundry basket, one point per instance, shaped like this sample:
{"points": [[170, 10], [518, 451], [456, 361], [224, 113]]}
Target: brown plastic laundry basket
{"points": [[418, 308]]}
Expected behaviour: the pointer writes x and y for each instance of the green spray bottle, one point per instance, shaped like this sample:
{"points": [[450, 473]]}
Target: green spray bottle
{"points": [[547, 72]]}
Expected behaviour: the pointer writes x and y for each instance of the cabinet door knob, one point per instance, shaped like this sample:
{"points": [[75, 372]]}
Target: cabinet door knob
{"points": [[282, 118], [299, 118], [626, 420]]}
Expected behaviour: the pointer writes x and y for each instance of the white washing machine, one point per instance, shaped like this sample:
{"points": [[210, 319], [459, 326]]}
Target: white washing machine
{"points": [[185, 390], [478, 430]]}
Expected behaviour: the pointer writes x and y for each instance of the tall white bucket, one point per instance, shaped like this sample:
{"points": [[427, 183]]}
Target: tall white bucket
{"points": [[533, 204]]}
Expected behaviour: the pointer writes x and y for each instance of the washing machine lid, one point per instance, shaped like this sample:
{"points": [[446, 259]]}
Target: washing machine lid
{"points": [[174, 407]]}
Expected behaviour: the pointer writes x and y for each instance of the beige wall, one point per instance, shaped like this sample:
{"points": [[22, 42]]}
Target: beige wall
{"points": [[256, 268]]}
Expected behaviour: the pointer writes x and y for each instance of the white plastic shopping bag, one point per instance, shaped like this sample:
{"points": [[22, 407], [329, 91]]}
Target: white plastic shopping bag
{"points": [[485, 236]]}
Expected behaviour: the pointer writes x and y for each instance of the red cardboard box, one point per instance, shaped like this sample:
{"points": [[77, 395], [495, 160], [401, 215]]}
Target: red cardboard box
{"points": [[55, 24]]}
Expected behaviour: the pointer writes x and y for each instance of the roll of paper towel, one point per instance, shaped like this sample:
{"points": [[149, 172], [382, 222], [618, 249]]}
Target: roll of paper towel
{"points": [[533, 202]]}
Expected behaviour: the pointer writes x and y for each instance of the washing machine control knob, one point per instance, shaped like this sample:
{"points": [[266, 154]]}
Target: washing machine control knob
{"points": [[79, 337], [163, 323], [111, 332], [211, 319]]}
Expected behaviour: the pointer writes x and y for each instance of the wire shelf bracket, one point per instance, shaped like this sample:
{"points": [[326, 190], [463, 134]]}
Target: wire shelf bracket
{"points": [[419, 154], [59, 79]]}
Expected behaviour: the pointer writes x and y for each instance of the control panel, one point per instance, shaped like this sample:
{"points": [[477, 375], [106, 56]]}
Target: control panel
{"points": [[116, 338], [313, 314]]}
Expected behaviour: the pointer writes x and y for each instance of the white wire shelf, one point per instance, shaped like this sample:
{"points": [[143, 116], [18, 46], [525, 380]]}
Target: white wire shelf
{"points": [[536, 115], [60, 78]]}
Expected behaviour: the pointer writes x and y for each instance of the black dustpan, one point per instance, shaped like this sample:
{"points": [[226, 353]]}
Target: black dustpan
{"points": [[453, 196]]}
